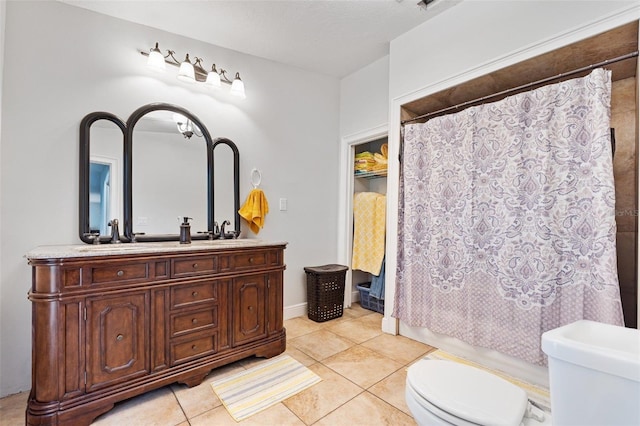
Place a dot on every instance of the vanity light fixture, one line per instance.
(194, 72)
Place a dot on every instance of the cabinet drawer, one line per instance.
(118, 273)
(182, 352)
(250, 260)
(194, 294)
(194, 321)
(194, 266)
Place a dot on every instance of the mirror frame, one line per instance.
(127, 192)
(85, 161)
(236, 179)
(128, 171)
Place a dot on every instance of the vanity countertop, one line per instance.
(88, 250)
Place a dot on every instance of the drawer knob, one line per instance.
(251, 260)
(194, 321)
(251, 308)
(119, 337)
(120, 273)
(195, 266)
(194, 294)
(193, 347)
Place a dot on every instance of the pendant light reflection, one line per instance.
(186, 127)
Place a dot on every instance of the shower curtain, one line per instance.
(507, 218)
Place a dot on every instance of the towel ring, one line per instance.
(256, 178)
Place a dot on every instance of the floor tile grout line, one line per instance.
(292, 412)
(340, 406)
(184, 413)
(386, 402)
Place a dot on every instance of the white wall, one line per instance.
(364, 110)
(478, 32)
(66, 62)
(471, 39)
(364, 98)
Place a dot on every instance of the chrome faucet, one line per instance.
(115, 233)
(213, 234)
(93, 236)
(222, 233)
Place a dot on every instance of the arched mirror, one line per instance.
(169, 153)
(159, 166)
(102, 149)
(168, 175)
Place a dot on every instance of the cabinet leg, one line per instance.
(194, 381)
(272, 349)
(77, 417)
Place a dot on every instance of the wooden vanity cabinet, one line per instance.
(110, 327)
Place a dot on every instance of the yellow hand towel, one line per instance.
(255, 209)
(369, 225)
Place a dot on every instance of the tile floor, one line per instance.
(362, 370)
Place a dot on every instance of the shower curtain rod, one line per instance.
(524, 86)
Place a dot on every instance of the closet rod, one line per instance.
(524, 86)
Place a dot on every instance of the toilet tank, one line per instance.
(594, 374)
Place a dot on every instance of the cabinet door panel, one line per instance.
(117, 345)
(275, 303)
(249, 314)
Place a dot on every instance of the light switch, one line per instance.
(283, 204)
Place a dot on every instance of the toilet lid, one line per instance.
(467, 392)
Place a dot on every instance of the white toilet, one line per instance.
(440, 392)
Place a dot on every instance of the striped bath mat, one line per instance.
(248, 392)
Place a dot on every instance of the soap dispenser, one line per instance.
(185, 231)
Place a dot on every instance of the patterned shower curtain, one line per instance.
(507, 221)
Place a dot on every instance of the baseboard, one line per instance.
(390, 325)
(300, 309)
(355, 296)
(294, 311)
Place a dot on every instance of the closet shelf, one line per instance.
(372, 174)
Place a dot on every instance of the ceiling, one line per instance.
(334, 37)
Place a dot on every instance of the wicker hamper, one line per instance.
(325, 291)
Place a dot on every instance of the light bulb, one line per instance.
(237, 87)
(186, 72)
(213, 78)
(156, 60)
